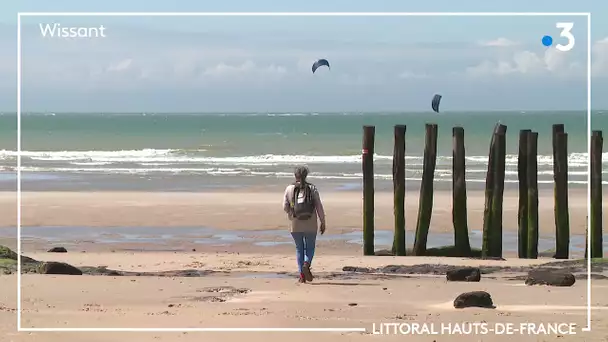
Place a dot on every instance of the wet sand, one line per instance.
(252, 220)
(255, 210)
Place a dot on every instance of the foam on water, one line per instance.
(197, 162)
(198, 156)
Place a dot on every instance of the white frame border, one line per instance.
(276, 14)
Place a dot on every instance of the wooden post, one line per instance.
(522, 176)
(486, 248)
(369, 133)
(399, 190)
(425, 205)
(557, 128)
(459, 194)
(586, 235)
(560, 176)
(532, 196)
(597, 146)
(499, 189)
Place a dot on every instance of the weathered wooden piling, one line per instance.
(532, 180)
(498, 193)
(425, 206)
(586, 235)
(522, 176)
(399, 190)
(459, 194)
(560, 181)
(488, 244)
(597, 146)
(369, 133)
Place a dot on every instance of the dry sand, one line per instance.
(255, 210)
(271, 298)
(240, 299)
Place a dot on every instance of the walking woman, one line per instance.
(302, 204)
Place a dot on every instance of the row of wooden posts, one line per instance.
(492, 223)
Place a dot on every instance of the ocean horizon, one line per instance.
(156, 151)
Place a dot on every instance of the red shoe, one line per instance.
(302, 278)
(306, 271)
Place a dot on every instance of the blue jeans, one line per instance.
(305, 247)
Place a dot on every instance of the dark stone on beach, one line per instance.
(58, 250)
(188, 273)
(517, 278)
(415, 269)
(578, 276)
(464, 274)
(103, 270)
(7, 253)
(479, 299)
(550, 277)
(384, 252)
(580, 265)
(357, 269)
(8, 262)
(436, 269)
(28, 260)
(572, 266)
(352, 304)
(53, 267)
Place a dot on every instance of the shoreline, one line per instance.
(250, 221)
(182, 182)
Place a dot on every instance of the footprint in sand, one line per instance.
(93, 308)
(4, 308)
(165, 313)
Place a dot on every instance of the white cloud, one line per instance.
(552, 61)
(413, 75)
(127, 73)
(499, 42)
(121, 66)
(528, 63)
(223, 69)
(246, 68)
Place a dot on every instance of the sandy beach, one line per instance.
(255, 209)
(248, 291)
(244, 285)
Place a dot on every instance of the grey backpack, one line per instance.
(303, 201)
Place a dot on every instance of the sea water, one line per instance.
(200, 151)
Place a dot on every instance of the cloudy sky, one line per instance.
(263, 63)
